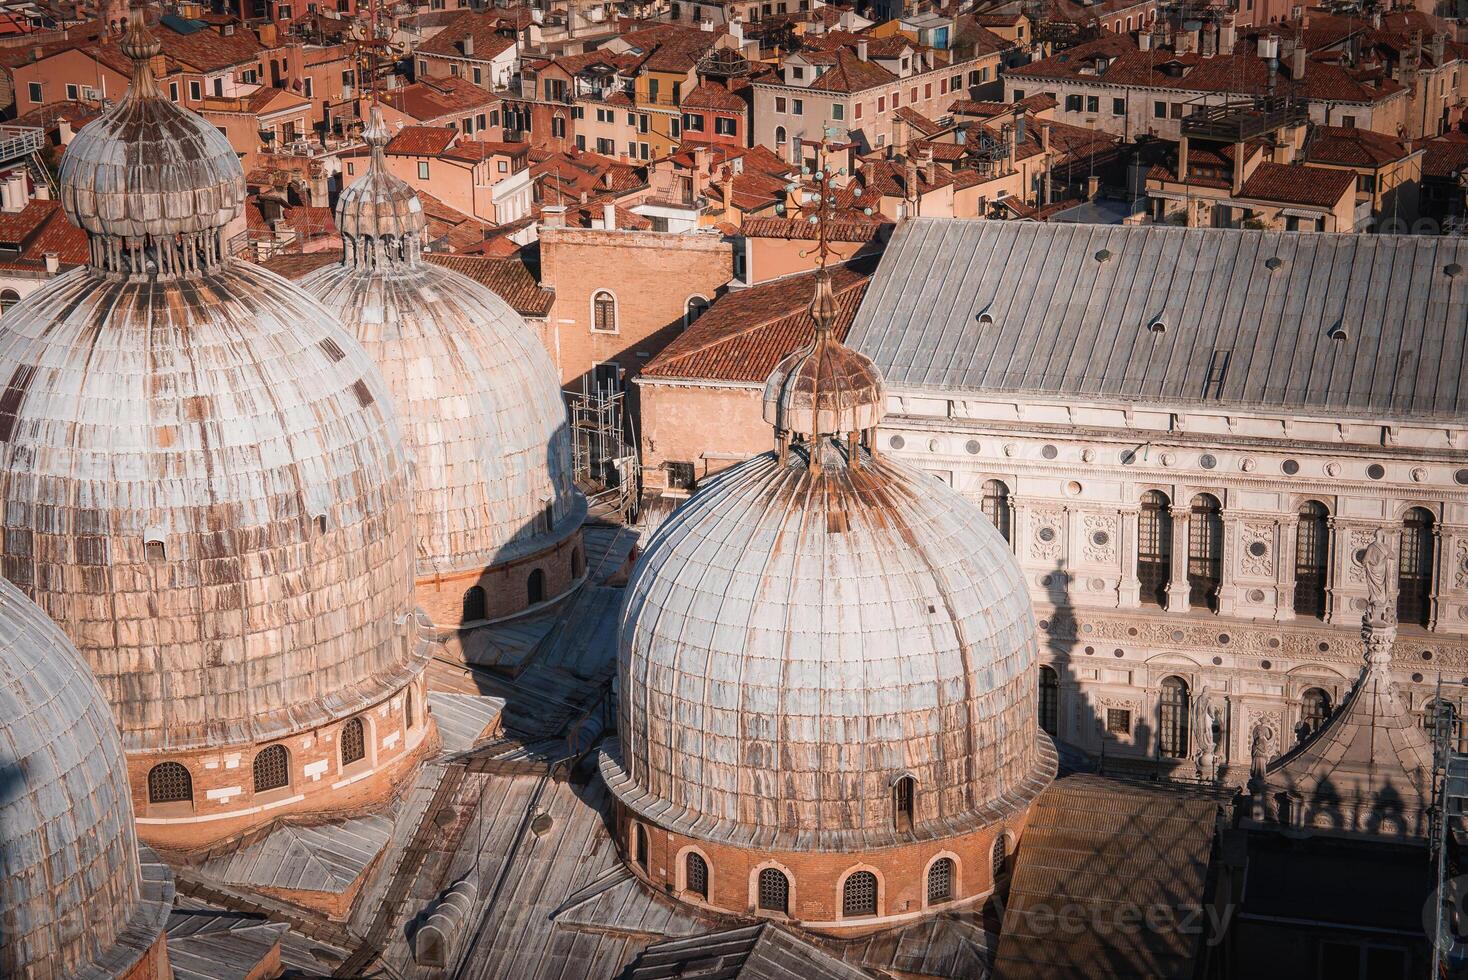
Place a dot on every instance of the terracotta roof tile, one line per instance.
(421, 141)
(746, 332)
(508, 278)
(1353, 147)
(1294, 184)
(430, 100)
(707, 95)
(483, 27)
(851, 74)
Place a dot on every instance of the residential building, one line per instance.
(488, 180)
(476, 46)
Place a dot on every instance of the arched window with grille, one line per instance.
(1049, 700)
(997, 858)
(272, 768)
(773, 890)
(940, 881)
(604, 312)
(1314, 710)
(474, 604)
(904, 802)
(1414, 568)
(1154, 548)
(169, 782)
(1172, 718)
(1205, 551)
(859, 894)
(1312, 552)
(535, 587)
(696, 875)
(8, 298)
(354, 742)
(995, 505)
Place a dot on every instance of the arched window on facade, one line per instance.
(904, 802)
(859, 894)
(8, 298)
(639, 845)
(1154, 548)
(779, 136)
(354, 742)
(1414, 568)
(272, 768)
(773, 890)
(408, 708)
(1312, 551)
(995, 505)
(1049, 700)
(578, 562)
(996, 858)
(1314, 710)
(604, 312)
(696, 875)
(1172, 718)
(169, 782)
(535, 587)
(693, 310)
(1205, 551)
(474, 604)
(940, 881)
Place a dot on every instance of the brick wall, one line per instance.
(711, 427)
(651, 275)
(506, 586)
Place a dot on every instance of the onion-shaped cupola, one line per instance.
(152, 184)
(825, 652)
(204, 482)
(480, 403)
(74, 899)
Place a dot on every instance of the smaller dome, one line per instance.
(379, 204)
(825, 388)
(148, 168)
(73, 896)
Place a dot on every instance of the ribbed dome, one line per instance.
(204, 484)
(480, 405)
(825, 387)
(72, 898)
(379, 203)
(797, 638)
(147, 167)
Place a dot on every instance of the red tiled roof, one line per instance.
(707, 95)
(1353, 147)
(1444, 157)
(850, 230)
(209, 49)
(299, 265)
(507, 278)
(472, 151)
(1294, 184)
(38, 228)
(851, 74)
(918, 121)
(483, 27)
(421, 141)
(431, 99)
(746, 332)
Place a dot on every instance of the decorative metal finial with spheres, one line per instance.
(825, 388)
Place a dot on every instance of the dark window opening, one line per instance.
(474, 605)
(1172, 719)
(697, 875)
(354, 742)
(169, 782)
(774, 890)
(1049, 700)
(1154, 548)
(1414, 568)
(535, 587)
(859, 894)
(940, 880)
(1205, 551)
(272, 768)
(904, 793)
(1312, 553)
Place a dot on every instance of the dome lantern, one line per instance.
(380, 218)
(152, 184)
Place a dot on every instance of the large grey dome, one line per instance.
(478, 396)
(795, 639)
(204, 484)
(73, 902)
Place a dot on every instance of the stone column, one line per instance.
(1177, 586)
(1287, 533)
(1442, 567)
(1130, 591)
(1230, 545)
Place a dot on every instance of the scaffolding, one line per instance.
(1449, 823)
(604, 449)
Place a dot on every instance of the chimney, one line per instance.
(468, 45)
(910, 177)
(53, 263)
(227, 30)
(930, 167)
(1297, 65)
(1144, 39)
(1093, 188)
(1226, 35)
(1019, 126)
(861, 49)
(1045, 138)
(1437, 49)
(609, 217)
(1209, 41)
(553, 216)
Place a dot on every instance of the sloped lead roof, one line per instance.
(1199, 316)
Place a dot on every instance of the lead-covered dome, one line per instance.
(813, 626)
(478, 396)
(203, 479)
(73, 899)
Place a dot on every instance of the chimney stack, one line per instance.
(468, 45)
(1226, 35)
(53, 263)
(609, 216)
(1144, 39)
(1093, 188)
(1209, 41)
(1297, 66)
(553, 216)
(861, 49)
(1019, 126)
